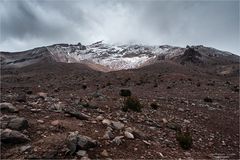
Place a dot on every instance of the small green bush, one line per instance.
(125, 92)
(184, 139)
(132, 103)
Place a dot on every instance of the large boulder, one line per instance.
(13, 137)
(18, 123)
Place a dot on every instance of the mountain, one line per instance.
(106, 57)
(60, 100)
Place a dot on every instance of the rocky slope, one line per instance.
(56, 110)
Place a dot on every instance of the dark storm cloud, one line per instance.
(31, 23)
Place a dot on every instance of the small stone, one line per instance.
(108, 135)
(19, 123)
(85, 142)
(21, 98)
(117, 125)
(82, 153)
(13, 137)
(104, 153)
(55, 123)
(188, 154)
(42, 95)
(138, 134)
(40, 121)
(117, 140)
(181, 109)
(146, 142)
(186, 121)
(128, 135)
(152, 128)
(99, 118)
(24, 148)
(35, 110)
(77, 114)
(93, 122)
(106, 122)
(129, 129)
(164, 120)
(85, 158)
(8, 107)
(223, 143)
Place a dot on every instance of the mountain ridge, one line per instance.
(106, 57)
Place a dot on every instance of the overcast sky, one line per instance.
(26, 24)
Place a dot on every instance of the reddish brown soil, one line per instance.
(179, 91)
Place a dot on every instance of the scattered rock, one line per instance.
(85, 142)
(138, 134)
(174, 126)
(24, 148)
(128, 135)
(99, 118)
(40, 121)
(21, 98)
(55, 123)
(8, 107)
(19, 123)
(117, 125)
(108, 135)
(104, 153)
(57, 107)
(106, 122)
(72, 140)
(13, 137)
(77, 114)
(164, 120)
(117, 140)
(81, 153)
(42, 95)
(76, 141)
(181, 109)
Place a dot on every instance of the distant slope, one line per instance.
(105, 57)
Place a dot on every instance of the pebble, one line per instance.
(8, 107)
(164, 120)
(104, 153)
(128, 135)
(55, 122)
(81, 153)
(24, 148)
(106, 122)
(186, 121)
(117, 140)
(40, 121)
(117, 125)
(99, 118)
(18, 123)
(181, 109)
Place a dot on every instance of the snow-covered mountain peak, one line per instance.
(113, 56)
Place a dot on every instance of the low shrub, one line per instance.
(184, 139)
(125, 92)
(132, 103)
(154, 105)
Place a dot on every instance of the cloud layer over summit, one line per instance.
(26, 24)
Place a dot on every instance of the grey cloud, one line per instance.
(26, 24)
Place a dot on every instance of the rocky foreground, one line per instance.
(70, 111)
